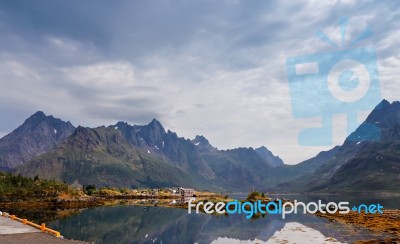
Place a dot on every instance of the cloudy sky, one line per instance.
(216, 68)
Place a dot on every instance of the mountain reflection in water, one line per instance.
(133, 224)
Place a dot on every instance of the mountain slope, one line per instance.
(238, 169)
(37, 135)
(142, 155)
(175, 150)
(267, 155)
(203, 145)
(129, 156)
(281, 175)
(103, 157)
(368, 160)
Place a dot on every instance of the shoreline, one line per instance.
(386, 223)
(110, 200)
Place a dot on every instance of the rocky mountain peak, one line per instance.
(203, 144)
(152, 133)
(38, 114)
(122, 124)
(35, 119)
(81, 130)
(124, 127)
(40, 117)
(382, 124)
(383, 111)
(270, 158)
(200, 140)
(155, 124)
(383, 103)
(38, 134)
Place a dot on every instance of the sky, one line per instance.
(212, 68)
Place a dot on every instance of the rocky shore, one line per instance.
(387, 223)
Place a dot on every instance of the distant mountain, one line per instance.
(175, 150)
(127, 155)
(233, 169)
(103, 157)
(237, 169)
(37, 135)
(203, 145)
(368, 160)
(286, 175)
(267, 155)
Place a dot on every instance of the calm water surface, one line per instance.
(133, 224)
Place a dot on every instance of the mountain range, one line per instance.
(124, 155)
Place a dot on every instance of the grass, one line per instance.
(17, 188)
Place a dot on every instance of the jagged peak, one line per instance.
(81, 129)
(263, 148)
(155, 122)
(39, 114)
(172, 133)
(266, 154)
(378, 125)
(395, 105)
(240, 149)
(202, 143)
(379, 110)
(201, 139)
(40, 117)
(384, 103)
(121, 124)
(36, 117)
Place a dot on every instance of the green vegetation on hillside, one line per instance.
(17, 187)
(102, 157)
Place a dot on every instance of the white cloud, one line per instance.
(103, 74)
(62, 44)
(203, 68)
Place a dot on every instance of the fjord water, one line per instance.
(134, 224)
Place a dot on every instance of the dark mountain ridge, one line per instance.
(368, 160)
(266, 154)
(103, 157)
(143, 156)
(149, 156)
(37, 135)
